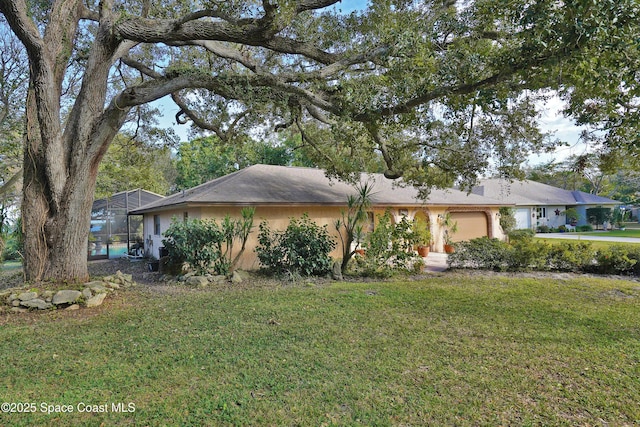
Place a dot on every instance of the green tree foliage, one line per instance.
(130, 164)
(598, 216)
(203, 159)
(602, 88)
(206, 245)
(302, 249)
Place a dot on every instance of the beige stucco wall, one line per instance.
(278, 218)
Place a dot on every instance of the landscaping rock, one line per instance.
(98, 288)
(47, 295)
(218, 279)
(111, 285)
(336, 271)
(38, 303)
(25, 296)
(96, 300)
(86, 293)
(236, 278)
(15, 302)
(199, 281)
(19, 310)
(73, 307)
(93, 283)
(66, 296)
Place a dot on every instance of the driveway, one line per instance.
(576, 236)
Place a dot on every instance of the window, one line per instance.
(185, 216)
(156, 225)
(541, 212)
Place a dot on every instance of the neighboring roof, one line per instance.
(532, 193)
(129, 200)
(283, 185)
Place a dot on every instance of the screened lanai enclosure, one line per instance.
(113, 232)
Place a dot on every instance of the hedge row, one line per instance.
(526, 254)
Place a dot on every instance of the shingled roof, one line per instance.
(532, 193)
(283, 185)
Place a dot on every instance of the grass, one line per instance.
(10, 265)
(451, 350)
(630, 232)
(596, 244)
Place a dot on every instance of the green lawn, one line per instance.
(629, 232)
(10, 265)
(596, 244)
(451, 350)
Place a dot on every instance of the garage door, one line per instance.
(470, 225)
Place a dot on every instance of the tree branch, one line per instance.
(23, 27)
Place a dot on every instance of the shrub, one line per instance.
(528, 255)
(206, 245)
(615, 260)
(482, 253)
(302, 249)
(544, 229)
(390, 248)
(570, 256)
(584, 228)
(522, 234)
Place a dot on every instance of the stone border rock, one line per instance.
(93, 294)
(196, 281)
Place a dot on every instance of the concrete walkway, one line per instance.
(435, 262)
(577, 236)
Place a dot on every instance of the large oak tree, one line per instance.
(441, 90)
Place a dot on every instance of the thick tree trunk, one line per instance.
(56, 241)
(56, 208)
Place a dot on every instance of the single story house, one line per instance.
(539, 204)
(279, 193)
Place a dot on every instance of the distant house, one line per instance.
(539, 204)
(279, 193)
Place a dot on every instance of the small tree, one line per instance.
(349, 227)
(572, 216)
(599, 215)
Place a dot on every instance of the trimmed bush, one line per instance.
(615, 260)
(302, 249)
(574, 257)
(482, 253)
(522, 234)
